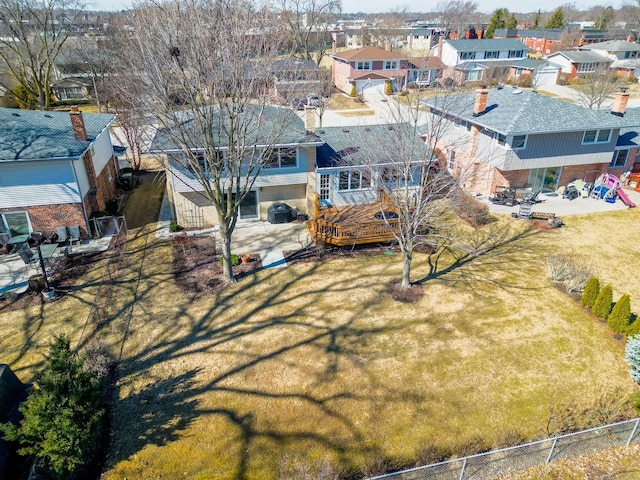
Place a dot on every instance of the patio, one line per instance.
(15, 272)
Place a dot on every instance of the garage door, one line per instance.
(546, 77)
(370, 88)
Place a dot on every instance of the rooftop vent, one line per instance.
(345, 130)
(15, 114)
(517, 91)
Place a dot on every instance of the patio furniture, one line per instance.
(74, 234)
(26, 255)
(5, 246)
(62, 236)
(19, 239)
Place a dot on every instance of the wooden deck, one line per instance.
(351, 225)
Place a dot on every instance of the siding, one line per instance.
(102, 151)
(37, 183)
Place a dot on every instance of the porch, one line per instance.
(353, 224)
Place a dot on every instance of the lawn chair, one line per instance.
(62, 236)
(27, 256)
(74, 235)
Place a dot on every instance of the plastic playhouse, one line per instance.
(608, 187)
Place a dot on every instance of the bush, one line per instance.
(353, 92)
(388, 88)
(573, 273)
(632, 356)
(471, 210)
(174, 227)
(602, 306)
(591, 290)
(620, 316)
(235, 260)
(634, 326)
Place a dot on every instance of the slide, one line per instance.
(624, 198)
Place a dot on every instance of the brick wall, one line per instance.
(46, 218)
(106, 184)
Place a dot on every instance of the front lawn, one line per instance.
(316, 365)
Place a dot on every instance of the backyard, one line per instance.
(315, 366)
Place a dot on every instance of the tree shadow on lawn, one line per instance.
(302, 331)
(489, 257)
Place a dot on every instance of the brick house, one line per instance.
(624, 55)
(369, 69)
(56, 169)
(577, 63)
(510, 137)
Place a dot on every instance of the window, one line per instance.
(15, 223)
(516, 53)
(517, 72)
(467, 55)
(587, 67)
(596, 136)
(451, 161)
(619, 158)
(353, 180)
(363, 65)
(518, 142)
(325, 188)
(281, 158)
(491, 55)
(390, 65)
(501, 139)
(474, 75)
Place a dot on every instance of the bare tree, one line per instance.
(33, 32)
(205, 68)
(308, 23)
(412, 178)
(456, 15)
(596, 88)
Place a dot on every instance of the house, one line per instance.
(424, 70)
(581, 62)
(531, 72)
(368, 70)
(284, 179)
(73, 88)
(56, 169)
(506, 136)
(624, 55)
(295, 79)
(480, 60)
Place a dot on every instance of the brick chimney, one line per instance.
(630, 39)
(334, 47)
(387, 46)
(480, 104)
(77, 124)
(440, 47)
(620, 103)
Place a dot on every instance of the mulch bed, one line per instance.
(67, 272)
(196, 266)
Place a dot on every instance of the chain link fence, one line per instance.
(488, 464)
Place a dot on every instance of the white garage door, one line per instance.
(370, 88)
(546, 77)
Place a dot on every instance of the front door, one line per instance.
(249, 206)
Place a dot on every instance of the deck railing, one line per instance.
(341, 235)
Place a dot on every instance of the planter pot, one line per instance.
(245, 258)
(48, 294)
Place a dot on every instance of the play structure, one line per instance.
(608, 187)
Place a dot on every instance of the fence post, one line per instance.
(553, 445)
(464, 465)
(633, 432)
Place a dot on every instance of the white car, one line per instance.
(314, 100)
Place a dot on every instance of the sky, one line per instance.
(371, 6)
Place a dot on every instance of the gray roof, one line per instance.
(582, 56)
(613, 46)
(512, 111)
(529, 63)
(272, 126)
(369, 144)
(548, 33)
(38, 135)
(487, 45)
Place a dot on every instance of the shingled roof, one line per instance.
(369, 53)
(482, 45)
(516, 112)
(37, 135)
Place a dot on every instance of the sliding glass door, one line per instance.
(545, 179)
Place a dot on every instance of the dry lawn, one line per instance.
(316, 365)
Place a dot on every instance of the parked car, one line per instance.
(314, 100)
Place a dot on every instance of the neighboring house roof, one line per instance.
(628, 63)
(276, 125)
(73, 82)
(37, 135)
(512, 111)
(582, 56)
(548, 33)
(368, 53)
(483, 45)
(375, 75)
(348, 146)
(613, 46)
(433, 63)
